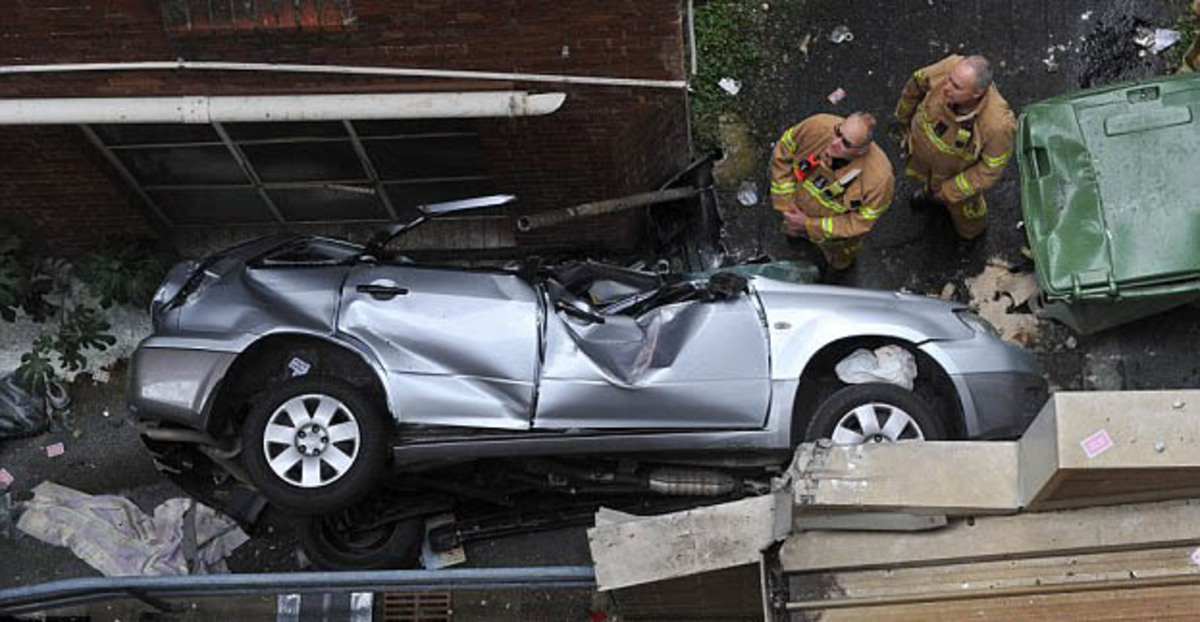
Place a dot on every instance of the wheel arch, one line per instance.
(818, 380)
(265, 363)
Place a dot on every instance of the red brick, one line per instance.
(605, 141)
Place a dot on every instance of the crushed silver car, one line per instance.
(309, 365)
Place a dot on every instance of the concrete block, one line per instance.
(1037, 534)
(1097, 448)
(931, 478)
(680, 544)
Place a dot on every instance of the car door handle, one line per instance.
(382, 292)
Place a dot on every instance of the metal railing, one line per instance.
(157, 591)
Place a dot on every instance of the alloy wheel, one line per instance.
(876, 423)
(311, 440)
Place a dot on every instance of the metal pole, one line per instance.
(57, 594)
(546, 219)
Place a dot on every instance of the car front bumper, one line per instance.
(176, 384)
(1005, 402)
(1000, 386)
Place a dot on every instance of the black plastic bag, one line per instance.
(21, 414)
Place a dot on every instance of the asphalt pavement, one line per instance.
(1038, 49)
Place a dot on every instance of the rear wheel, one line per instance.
(346, 541)
(314, 445)
(874, 413)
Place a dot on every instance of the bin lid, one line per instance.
(1110, 189)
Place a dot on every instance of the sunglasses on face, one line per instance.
(837, 134)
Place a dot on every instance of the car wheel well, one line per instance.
(818, 381)
(266, 363)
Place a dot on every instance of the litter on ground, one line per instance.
(997, 292)
(114, 536)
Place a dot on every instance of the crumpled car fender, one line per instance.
(802, 325)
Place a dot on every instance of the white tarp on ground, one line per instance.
(114, 536)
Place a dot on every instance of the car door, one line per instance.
(460, 347)
(688, 365)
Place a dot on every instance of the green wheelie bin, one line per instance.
(1110, 193)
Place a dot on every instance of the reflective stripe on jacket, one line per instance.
(833, 216)
(959, 155)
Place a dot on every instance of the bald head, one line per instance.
(852, 137)
(981, 68)
(868, 122)
(968, 81)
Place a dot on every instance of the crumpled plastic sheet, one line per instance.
(890, 364)
(114, 536)
(21, 414)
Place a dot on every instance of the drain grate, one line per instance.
(416, 607)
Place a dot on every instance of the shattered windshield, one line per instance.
(312, 252)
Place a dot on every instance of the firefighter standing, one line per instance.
(832, 183)
(959, 132)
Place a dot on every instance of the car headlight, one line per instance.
(976, 323)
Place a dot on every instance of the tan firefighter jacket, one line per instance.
(957, 155)
(836, 214)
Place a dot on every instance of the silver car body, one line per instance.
(487, 351)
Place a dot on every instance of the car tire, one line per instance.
(344, 440)
(860, 413)
(328, 544)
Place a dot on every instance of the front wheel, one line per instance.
(314, 445)
(874, 413)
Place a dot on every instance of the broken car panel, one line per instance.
(454, 363)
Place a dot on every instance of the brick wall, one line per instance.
(57, 195)
(603, 142)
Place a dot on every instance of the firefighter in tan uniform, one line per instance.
(832, 183)
(959, 133)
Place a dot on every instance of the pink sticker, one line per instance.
(837, 96)
(6, 478)
(55, 450)
(1096, 444)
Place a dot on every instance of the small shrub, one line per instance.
(36, 371)
(82, 328)
(126, 273)
(36, 286)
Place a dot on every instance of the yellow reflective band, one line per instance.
(822, 199)
(997, 161)
(786, 188)
(871, 213)
(975, 209)
(940, 145)
(960, 180)
(788, 141)
(904, 107)
(827, 224)
(919, 76)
